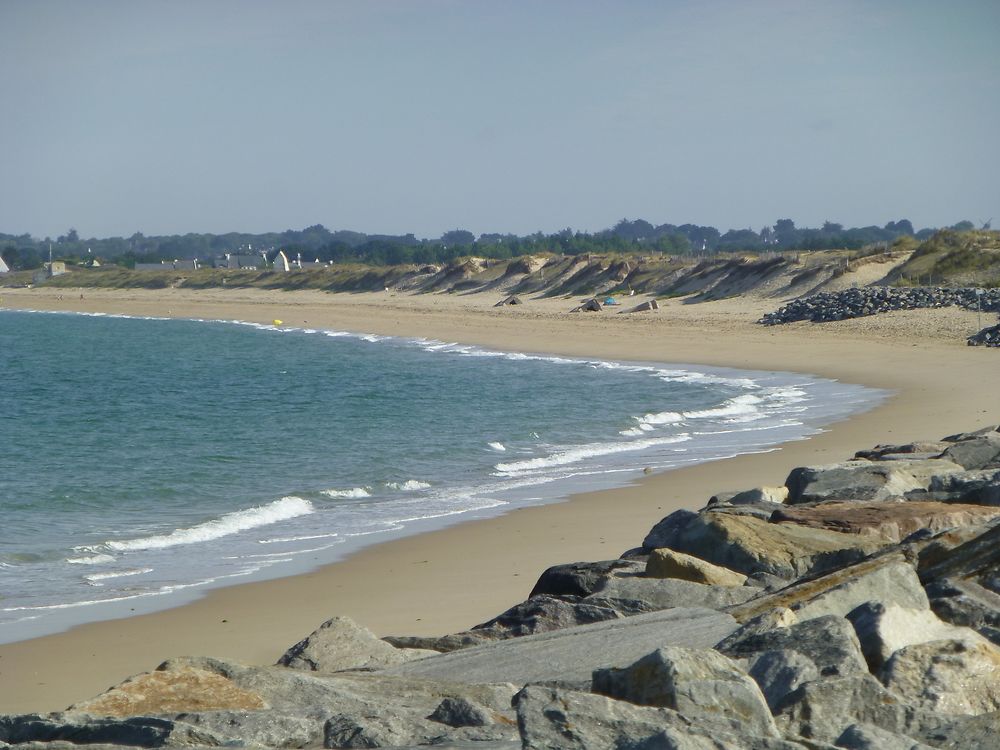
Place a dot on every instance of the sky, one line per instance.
(422, 116)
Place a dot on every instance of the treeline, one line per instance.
(23, 252)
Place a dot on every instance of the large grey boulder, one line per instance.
(778, 673)
(256, 728)
(396, 707)
(84, 729)
(824, 709)
(884, 629)
(978, 452)
(867, 737)
(888, 578)
(963, 581)
(864, 481)
(959, 676)
(828, 641)
(980, 487)
(747, 544)
(664, 593)
(700, 684)
(581, 578)
(970, 733)
(555, 719)
(340, 643)
(570, 656)
(667, 529)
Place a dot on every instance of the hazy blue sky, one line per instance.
(502, 116)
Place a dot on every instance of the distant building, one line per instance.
(245, 262)
(175, 265)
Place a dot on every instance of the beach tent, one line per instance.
(610, 301)
(590, 305)
(4, 268)
(511, 300)
(648, 306)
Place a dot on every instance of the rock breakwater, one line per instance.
(856, 606)
(862, 301)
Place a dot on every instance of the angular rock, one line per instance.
(964, 602)
(964, 581)
(340, 643)
(664, 593)
(84, 729)
(460, 712)
(979, 452)
(884, 629)
(555, 719)
(863, 481)
(776, 495)
(828, 641)
(951, 677)
(925, 449)
(970, 733)
(700, 684)
(750, 545)
(666, 563)
(570, 656)
(667, 529)
(581, 578)
(541, 614)
(257, 728)
(866, 737)
(778, 673)
(186, 689)
(889, 521)
(887, 578)
(824, 709)
(981, 487)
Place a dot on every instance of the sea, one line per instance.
(144, 461)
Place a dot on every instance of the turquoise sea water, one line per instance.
(145, 460)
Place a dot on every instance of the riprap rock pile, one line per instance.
(855, 606)
(862, 301)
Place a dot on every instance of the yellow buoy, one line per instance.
(277, 322)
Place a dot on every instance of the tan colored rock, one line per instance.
(749, 544)
(952, 677)
(888, 578)
(775, 495)
(183, 690)
(891, 521)
(666, 563)
(883, 630)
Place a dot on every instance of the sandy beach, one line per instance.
(450, 579)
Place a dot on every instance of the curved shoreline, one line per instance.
(449, 579)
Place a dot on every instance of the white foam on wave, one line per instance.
(352, 494)
(583, 452)
(231, 523)
(90, 559)
(737, 406)
(96, 579)
(497, 446)
(306, 538)
(410, 485)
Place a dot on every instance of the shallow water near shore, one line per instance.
(145, 460)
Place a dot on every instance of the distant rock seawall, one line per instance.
(857, 303)
(855, 606)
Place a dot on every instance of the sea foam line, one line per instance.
(231, 523)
